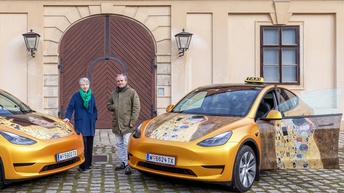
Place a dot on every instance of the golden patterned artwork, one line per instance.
(300, 142)
(180, 128)
(36, 126)
(185, 127)
(295, 145)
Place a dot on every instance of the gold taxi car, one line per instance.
(227, 133)
(33, 144)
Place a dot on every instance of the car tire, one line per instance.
(2, 175)
(245, 170)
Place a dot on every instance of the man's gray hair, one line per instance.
(125, 76)
(84, 79)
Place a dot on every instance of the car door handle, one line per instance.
(326, 125)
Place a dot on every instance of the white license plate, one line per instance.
(66, 155)
(161, 159)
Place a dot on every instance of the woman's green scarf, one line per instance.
(86, 97)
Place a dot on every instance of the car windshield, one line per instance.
(10, 105)
(234, 102)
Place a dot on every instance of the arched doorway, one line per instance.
(101, 46)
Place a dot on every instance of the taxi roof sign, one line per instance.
(257, 80)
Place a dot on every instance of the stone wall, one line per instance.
(57, 20)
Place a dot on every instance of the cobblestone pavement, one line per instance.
(104, 179)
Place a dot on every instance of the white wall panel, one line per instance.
(13, 55)
(199, 66)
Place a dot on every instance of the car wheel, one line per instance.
(2, 176)
(245, 170)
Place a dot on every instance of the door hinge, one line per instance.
(153, 65)
(60, 66)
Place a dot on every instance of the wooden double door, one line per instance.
(100, 47)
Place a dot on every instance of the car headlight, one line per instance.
(137, 132)
(216, 140)
(17, 139)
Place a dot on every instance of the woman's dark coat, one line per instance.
(84, 119)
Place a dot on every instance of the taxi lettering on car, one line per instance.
(227, 133)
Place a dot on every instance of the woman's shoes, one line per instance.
(84, 170)
(81, 170)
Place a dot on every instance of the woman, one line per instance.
(83, 105)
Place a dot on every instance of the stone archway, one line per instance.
(100, 47)
(58, 19)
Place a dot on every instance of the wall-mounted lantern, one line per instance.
(31, 41)
(183, 41)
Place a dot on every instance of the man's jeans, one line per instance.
(122, 147)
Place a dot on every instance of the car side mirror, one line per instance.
(274, 115)
(169, 108)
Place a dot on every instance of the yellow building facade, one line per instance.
(226, 45)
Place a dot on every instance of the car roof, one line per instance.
(239, 86)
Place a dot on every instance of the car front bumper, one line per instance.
(30, 161)
(213, 164)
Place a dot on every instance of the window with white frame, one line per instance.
(280, 53)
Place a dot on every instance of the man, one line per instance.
(124, 102)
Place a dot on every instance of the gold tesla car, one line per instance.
(227, 133)
(33, 144)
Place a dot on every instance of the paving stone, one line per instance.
(104, 179)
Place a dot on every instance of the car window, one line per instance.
(11, 105)
(266, 104)
(292, 105)
(194, 101)
(323, 101)
(219, 102)
(316, 102)
(287, 100)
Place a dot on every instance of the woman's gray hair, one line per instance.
(84, 79)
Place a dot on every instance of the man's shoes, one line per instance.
(127, 170)
(120, 166)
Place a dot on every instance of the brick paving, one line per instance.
(104, 179)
